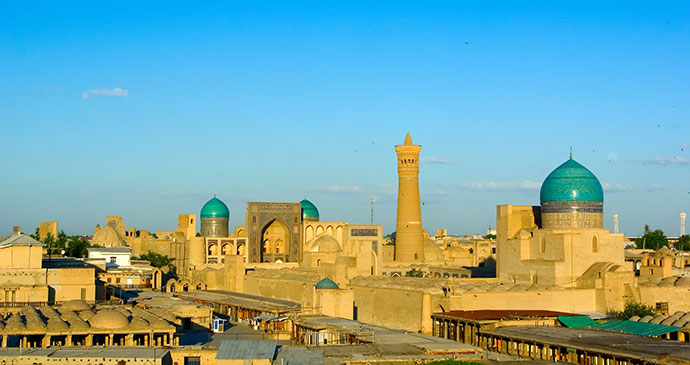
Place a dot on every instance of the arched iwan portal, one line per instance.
(274, 238)
(271, 223)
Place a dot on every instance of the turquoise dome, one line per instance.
(571, 182)
(326, 283)
(215, 208)
(309, 211)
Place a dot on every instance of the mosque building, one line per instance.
(560, 240)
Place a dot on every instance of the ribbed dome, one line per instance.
(326, 283)
(309, 211)
(109, 319)
(571, 182)
(215, 208)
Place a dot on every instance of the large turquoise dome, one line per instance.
(309, 211)
(215, 208)
(571, 182)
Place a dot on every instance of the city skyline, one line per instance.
(148, 114)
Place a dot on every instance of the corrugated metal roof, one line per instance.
(576, 322)
(246, 349)
(635, 328)
(299, 356)
(19, 240)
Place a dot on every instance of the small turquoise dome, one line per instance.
(571, 182)
(326, 283)
(309, 211)
(215, 208)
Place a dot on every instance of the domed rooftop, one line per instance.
(309, 211)
(107, 236)
(326, 283)
(325, 244)
(74, 305)
(215, 208)
(571, 182)
(109, 319)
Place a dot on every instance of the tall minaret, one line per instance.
(409, 242)
(615, 223)
(682, 223)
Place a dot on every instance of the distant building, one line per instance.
(114, 256)
(25, 279)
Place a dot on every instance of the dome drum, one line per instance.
(214, 227)
(572, 207)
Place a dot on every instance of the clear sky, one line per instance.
(146, 109)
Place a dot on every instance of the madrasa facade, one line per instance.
(276, 234)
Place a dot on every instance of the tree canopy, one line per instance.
(77, 247)
(634, 309)
(414, 273)
(654, 240)
(157, 260)
(683, 243)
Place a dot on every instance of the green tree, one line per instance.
(414, 273)
(49, 242)
(654, 240)
(390, 239)
(157, 260)
(490, 237)
(61, 240)
(634, 309)
(683, 243)
(35, 235)
(77, 247)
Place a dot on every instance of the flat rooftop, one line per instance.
(386, 336)
(489, 315)
(242, 300)
(634, 346)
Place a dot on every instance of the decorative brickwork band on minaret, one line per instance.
(409, 242)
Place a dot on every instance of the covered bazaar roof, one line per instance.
(77, 316)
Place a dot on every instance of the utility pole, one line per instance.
(372, 210)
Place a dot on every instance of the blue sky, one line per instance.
(146, 110)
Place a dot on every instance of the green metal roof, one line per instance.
(635, 328)
(309, 210)
(215, 208)
(326, 283)
(571, 182)
(576, 321)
